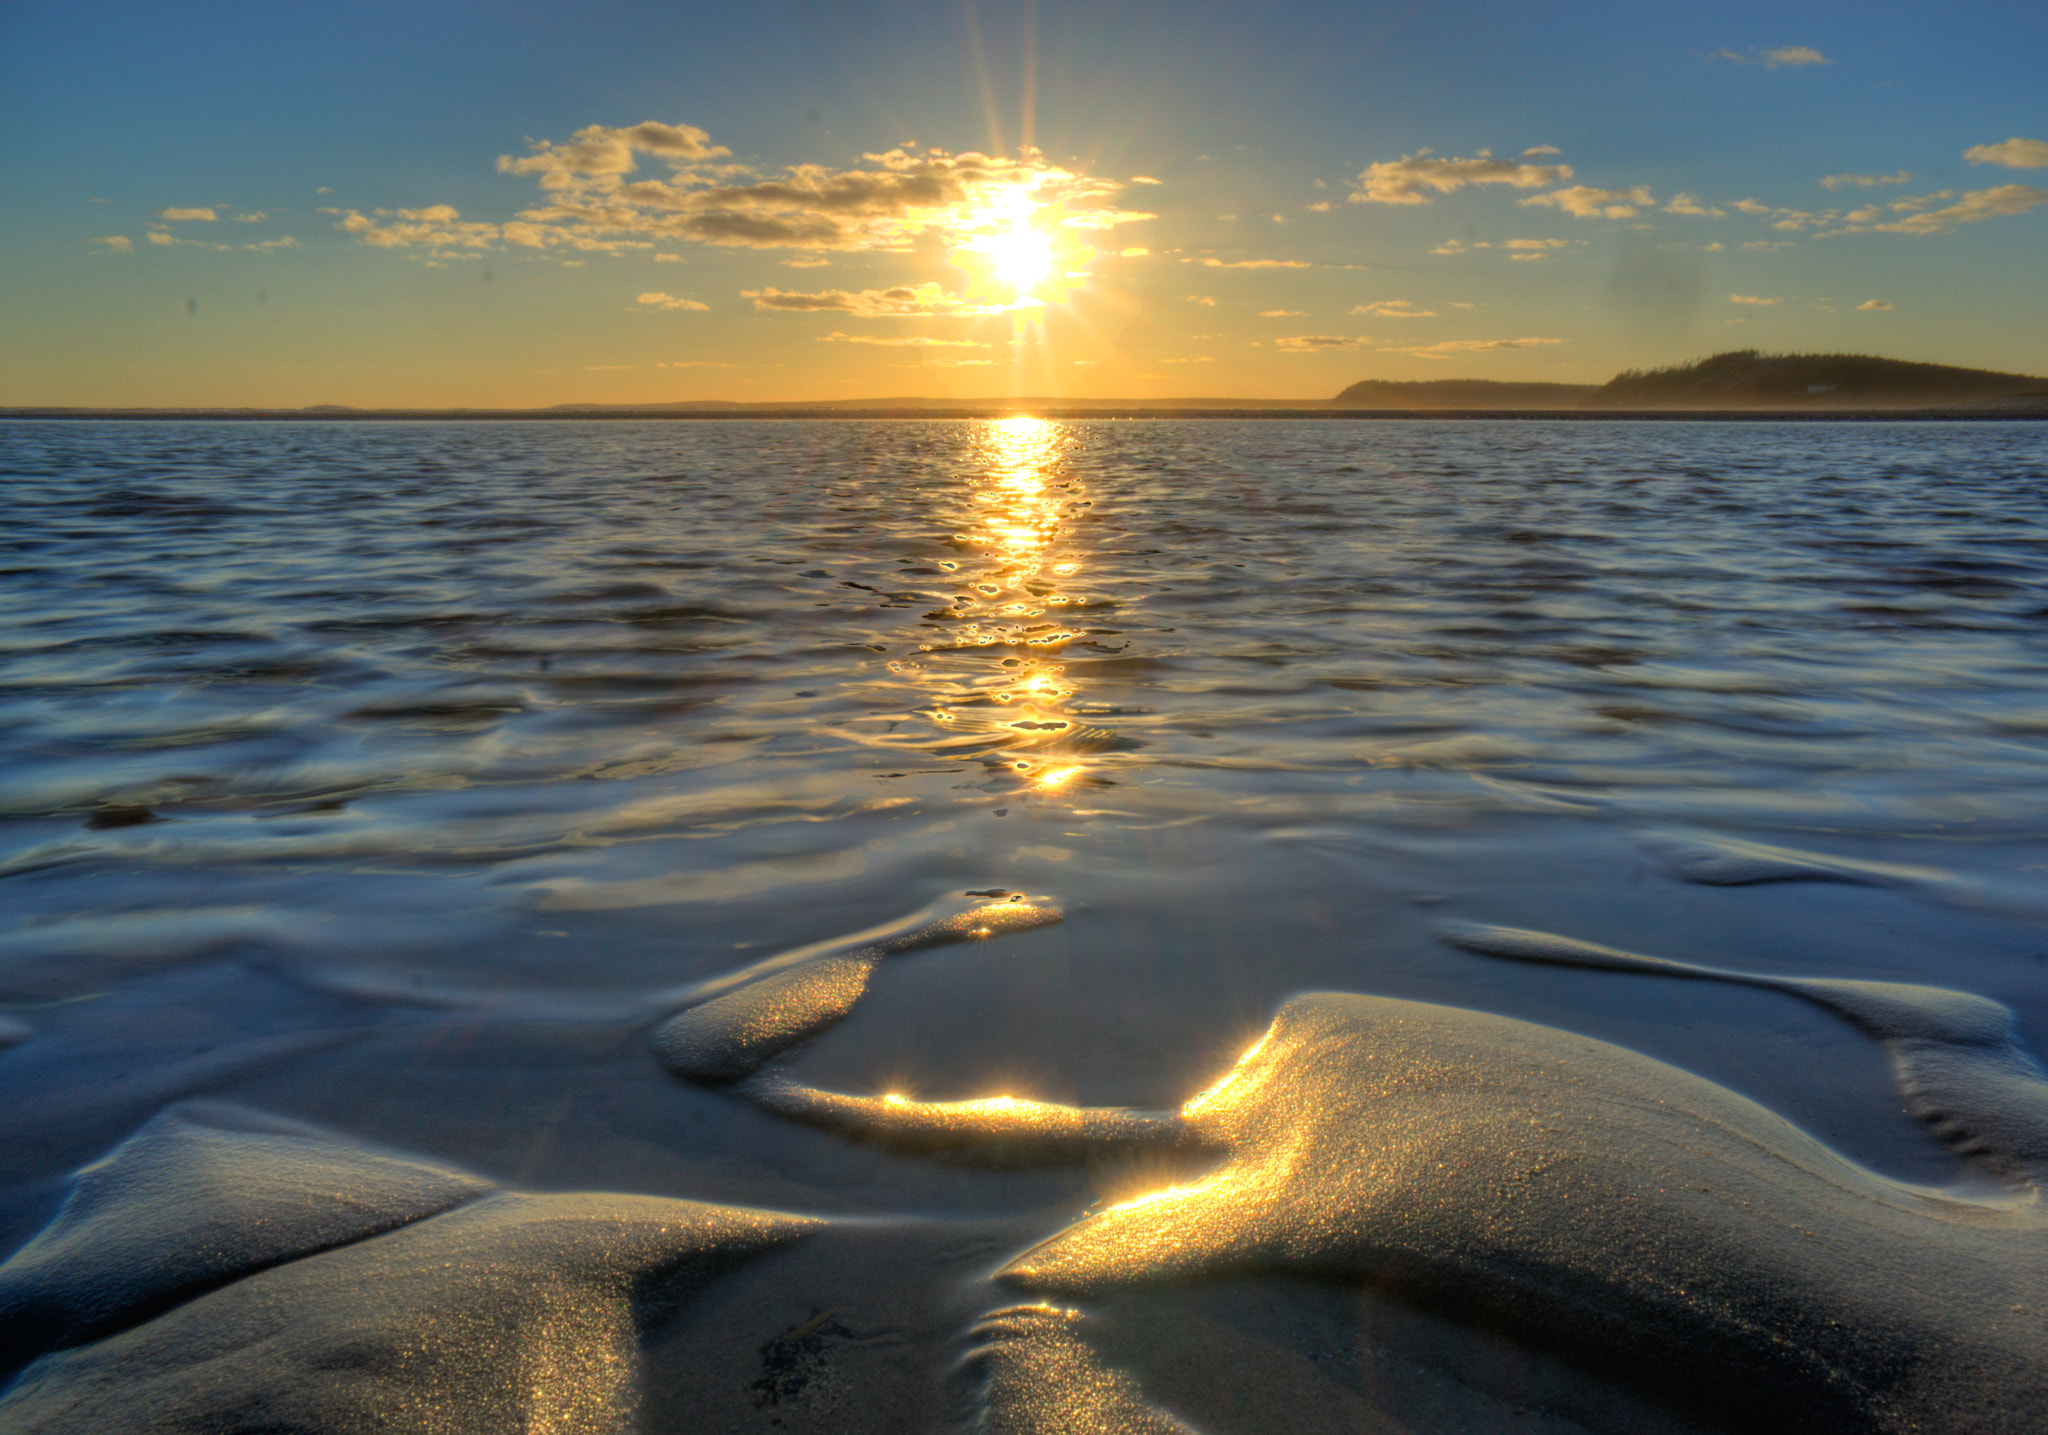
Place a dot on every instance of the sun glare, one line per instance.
(1019, 252)
(1022, 258)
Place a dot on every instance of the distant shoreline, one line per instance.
(1971, 413)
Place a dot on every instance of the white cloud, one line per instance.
(162, 240)
(1459, 246)
(256, 216)
(1766, 245)
(1976, 205)
(914, 341)
(116, 243)
(1250, 263)
(1871, 306)
(1542, 149)
(1750, 299)
(1864, 181)
(1914, 202)
(187, 216)
(1403, 181)
(438, 226)
(886, 205)
(668, 258)
(2015, 153)
(1473, 346)
(1281, 313)
(1584, 202)
(1319, 343)
(655, 299)
(900, 302)
(1394, 309)
(1144, 179)
(1792, 56)
(598, 151)
(266, 246)
(1690, 204)
(593, 203)
(1539, 243)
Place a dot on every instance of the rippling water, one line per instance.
(397, 777)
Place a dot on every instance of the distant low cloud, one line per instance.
(1320, 343)
(1539, 244)
(1584, 202)
(1458, 246)
(115, 243)
(1394, 309)
(161, 239)
(268, 246)
(1868, 181)
(2015, 153)
(256, 216)
(655, 299)
(436, 227)
(1750, 299)
(1874, 306)
(1404, 180)
(1145, 179)
(1280, 313)
(1975, 206)
(1690, 204)
(1203, 299)
(913, 341)
(187, 216)
(597, 150)
(900, 302)
(1917, 213)
(1475, 346)
(1542, 149)
(1789, 56)
(1214, 263)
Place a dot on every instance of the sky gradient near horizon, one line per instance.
(437, 204)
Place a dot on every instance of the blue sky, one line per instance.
(1321, 193)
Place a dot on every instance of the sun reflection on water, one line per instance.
(1017, 572)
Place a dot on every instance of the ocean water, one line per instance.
(399, 779)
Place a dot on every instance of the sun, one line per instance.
(1022, 258)
(1019, 252)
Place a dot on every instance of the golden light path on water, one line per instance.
(1020, 497)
